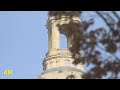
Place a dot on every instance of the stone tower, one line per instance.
(58, 63)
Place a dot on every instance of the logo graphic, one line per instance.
(7, 72)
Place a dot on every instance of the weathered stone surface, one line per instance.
(58, 63)
(61, 73)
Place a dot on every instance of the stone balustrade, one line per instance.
(62, 52)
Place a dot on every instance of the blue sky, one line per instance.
(24, 43)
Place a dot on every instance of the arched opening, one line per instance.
(67, 63)
(63, 41)
(71, 77)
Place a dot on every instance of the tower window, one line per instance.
(71, 77)
(67, 63)
(63, 41)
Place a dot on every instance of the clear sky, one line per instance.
(24, 43)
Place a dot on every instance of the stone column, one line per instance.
(69, 41)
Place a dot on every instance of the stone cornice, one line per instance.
(62, 69)
(67, 13)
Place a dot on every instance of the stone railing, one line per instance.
(62, 52)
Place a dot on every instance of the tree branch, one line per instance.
(104, 19)
(116, 15)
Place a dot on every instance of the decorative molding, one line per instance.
(62, 69)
